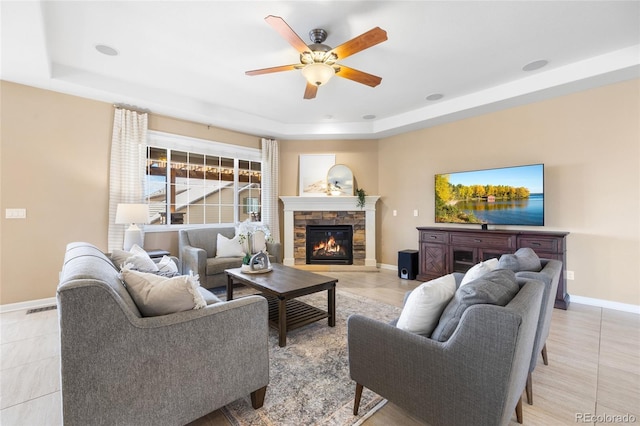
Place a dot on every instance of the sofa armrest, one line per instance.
(549, 275)
(194, 260)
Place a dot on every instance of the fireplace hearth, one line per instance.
(329, 244)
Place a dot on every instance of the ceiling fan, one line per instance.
(318, 61)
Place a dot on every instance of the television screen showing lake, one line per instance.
(524, 211)
(502, 196)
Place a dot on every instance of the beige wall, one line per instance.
(55, 163)
(589, 143)
(360, 155)
(55, 157)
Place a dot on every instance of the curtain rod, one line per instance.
(132, 108)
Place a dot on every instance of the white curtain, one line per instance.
(270, 185)
(126, 175)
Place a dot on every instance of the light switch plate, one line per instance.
(15, 213)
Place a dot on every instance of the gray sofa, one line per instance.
(476, 377)
(197, 250)
(118, 367)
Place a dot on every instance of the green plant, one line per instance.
(361, 197)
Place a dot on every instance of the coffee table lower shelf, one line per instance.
(299, 313)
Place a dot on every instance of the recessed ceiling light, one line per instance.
(435, 97)
(106, 50)
(535, 65)
(369, 117)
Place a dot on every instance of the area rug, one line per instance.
(309, 378)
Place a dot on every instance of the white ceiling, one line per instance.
(187, 59)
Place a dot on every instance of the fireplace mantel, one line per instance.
(330, 204)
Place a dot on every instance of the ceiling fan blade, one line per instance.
(363, 41)
(285, 31)
(358, 76)
(310, 91)
(272, 69)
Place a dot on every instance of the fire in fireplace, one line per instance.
(329, 244)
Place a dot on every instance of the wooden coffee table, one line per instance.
(281, 286)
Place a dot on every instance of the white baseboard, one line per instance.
(386, 266)
(616, 306)
(29, 304)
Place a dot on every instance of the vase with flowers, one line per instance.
(246, 232)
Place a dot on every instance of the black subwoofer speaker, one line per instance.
(408, 264)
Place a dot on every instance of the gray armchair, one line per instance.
(549, 276)
(118, 367)
(197, 249)
(476, 377)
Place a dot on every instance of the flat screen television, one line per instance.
(501, 196)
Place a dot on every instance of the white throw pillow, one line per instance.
(479, 270)
(425, 304)
(167, 264)
(226, 247)
(155, 295)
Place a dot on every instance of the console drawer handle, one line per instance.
(433, 237)
(536, 244)
(478, 240)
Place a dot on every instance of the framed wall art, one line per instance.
(313, 173)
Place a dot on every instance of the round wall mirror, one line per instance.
(339, 180)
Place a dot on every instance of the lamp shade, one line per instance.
(132, 213)
(318, 73)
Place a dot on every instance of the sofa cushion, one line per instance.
(525, 259)
(155, 295)
(494, 288)
(217, 265)
(425, 304)
(479, 270)
(226, 247)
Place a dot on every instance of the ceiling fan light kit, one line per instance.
(318, 61)
(318, 73)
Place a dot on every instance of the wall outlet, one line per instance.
(395, 212)
(415, 213)
(570, 275)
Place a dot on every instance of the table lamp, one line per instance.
(132, 214)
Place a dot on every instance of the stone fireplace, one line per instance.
(352, 228)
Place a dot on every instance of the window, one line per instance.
(195, 182)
